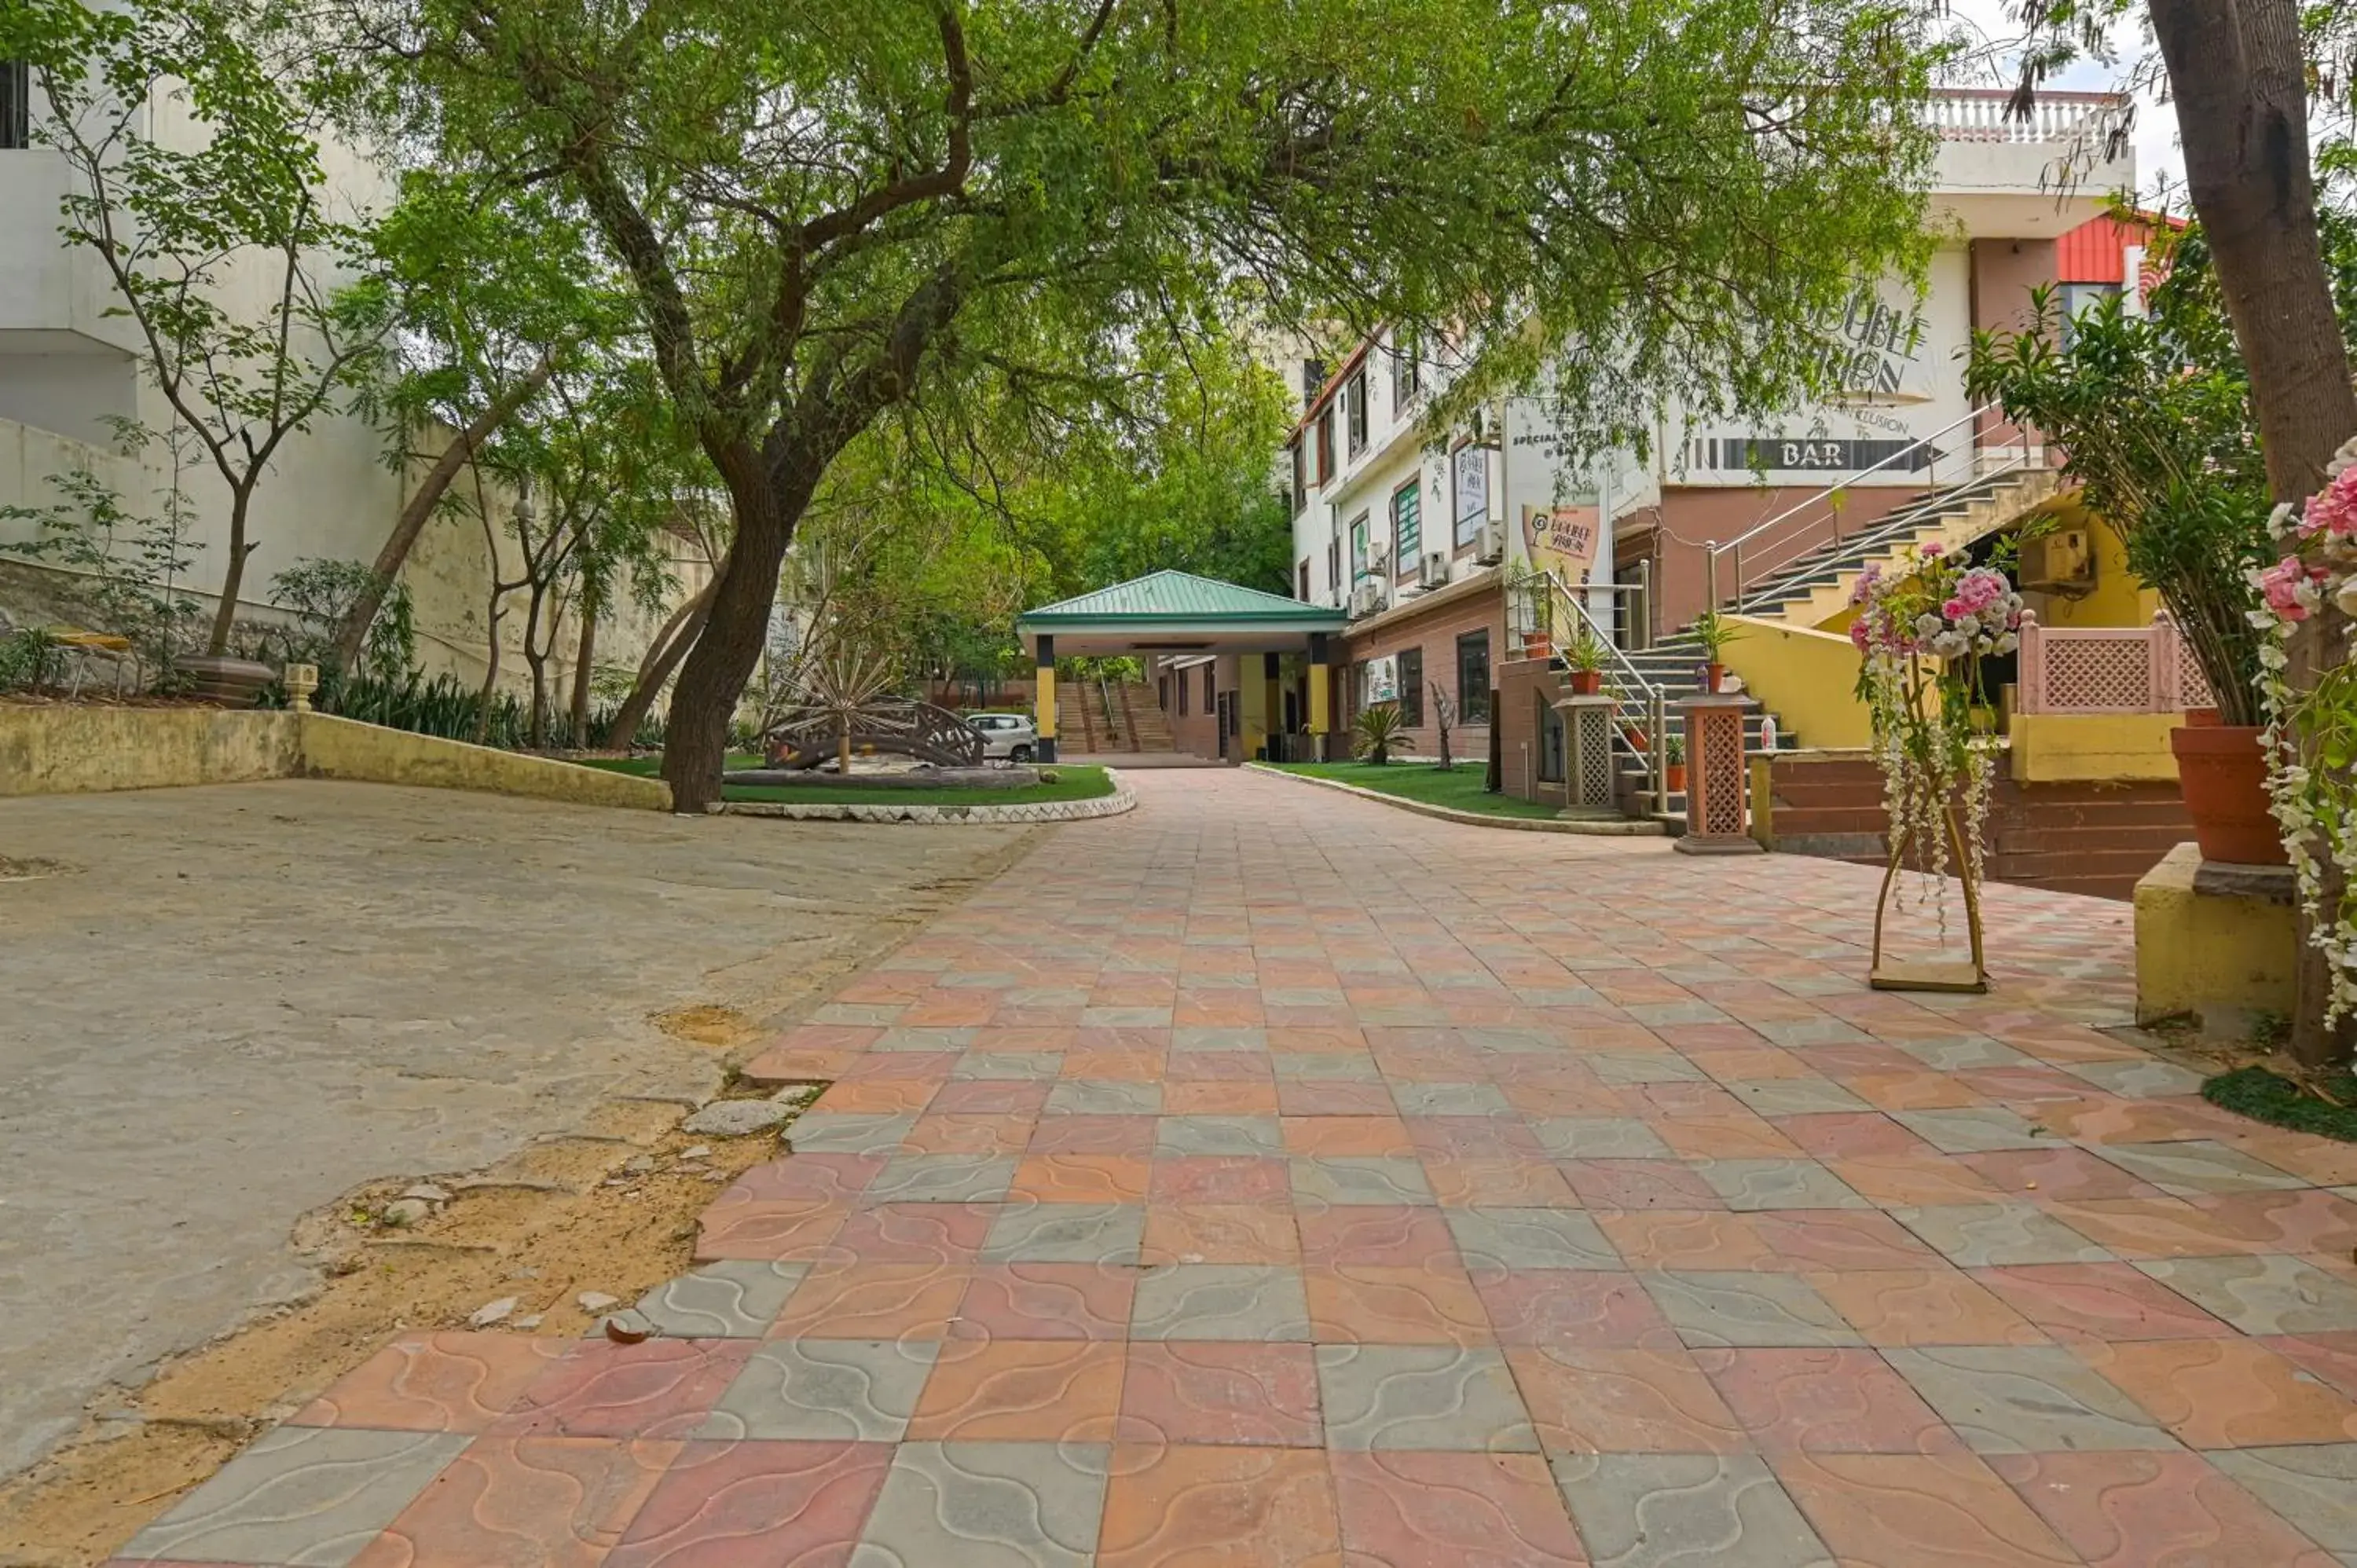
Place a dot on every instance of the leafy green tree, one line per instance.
(253, 310)
(494, 290)
(833, 213)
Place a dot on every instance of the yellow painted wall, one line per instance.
(60, 750)
(2118, 599)
(2054, 749)
(2220, 958)
(69, 750)
(1806, 678)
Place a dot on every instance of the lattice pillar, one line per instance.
(1589, 773)
(1718, 821)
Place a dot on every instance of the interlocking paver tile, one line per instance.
(436, 1382)
(1905, 1508)
(2123, 1510)
(2196, 1165)
(308, 1495)
(777, 1502)
(2270, 1294)
(2019, 1399)
(1427, 1510)
(558, 1501)
(1719, 1309)
(1587, 1399)
(1211, 1391)
(1220, 1301)
(1214, 1190)
(1239, 1506)
(2227, 1393)
(2307, 1484)
(1667, 1510)
(1503, 1241)
(1982, 1235)
(824, 1390)
(1066, 1233)
(987, 1505)
(1421, 1396)
(1830, 1401)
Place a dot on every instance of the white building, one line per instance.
(1414, 528)
(71, 367)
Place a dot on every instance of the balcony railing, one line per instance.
(2109, 669)
(1977, 114)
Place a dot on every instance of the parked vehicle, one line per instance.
(1006, 737)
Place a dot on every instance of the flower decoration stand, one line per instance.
(1717, 813)
(1929, 974)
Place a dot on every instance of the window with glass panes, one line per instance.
(1473, 678)
(1411, 686)
(1407, 525)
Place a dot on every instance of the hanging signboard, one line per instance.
(1383, 680)
(1562, 539)
(1472, 491)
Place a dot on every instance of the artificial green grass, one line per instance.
(2268, 1097)
(1071, 784)
(1460, 789)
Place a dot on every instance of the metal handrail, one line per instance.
(1627, 675)
(1713, 549)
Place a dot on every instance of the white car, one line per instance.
(1009, 737)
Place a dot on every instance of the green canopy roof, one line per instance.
(1160, 600)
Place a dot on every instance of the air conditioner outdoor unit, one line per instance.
(1366, 598)
(1490, 548)
(2057, 560)
(1379, 557)
(1433, 573)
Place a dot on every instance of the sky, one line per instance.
(2157, 158)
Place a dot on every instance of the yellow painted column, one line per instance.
(1046, 714)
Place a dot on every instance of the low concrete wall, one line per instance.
(69, 750)
(2219, 949)
(2070, 749)
(66, 750)
(342, 748)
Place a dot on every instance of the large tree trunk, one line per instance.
(695, 742)
(351, 633)
(669, 646)
(582, 663)
(233, 575)
(2240, 80)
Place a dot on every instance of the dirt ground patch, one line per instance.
(254, 1008)
(611, 1210)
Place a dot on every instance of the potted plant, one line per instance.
(1713, 632)
(1585, 658)
(1538, 616)
(1673, 763)
(2154, 412)
(1378, 732)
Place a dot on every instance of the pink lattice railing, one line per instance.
(2109, 669)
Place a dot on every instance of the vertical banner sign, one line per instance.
(1562, 539)
(1472, 492)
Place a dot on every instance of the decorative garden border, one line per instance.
(1108, 805)
(1600, 827)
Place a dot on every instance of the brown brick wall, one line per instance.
(1672, 535)
(2091, 838)
(1436, 632)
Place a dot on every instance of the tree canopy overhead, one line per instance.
(830, 211)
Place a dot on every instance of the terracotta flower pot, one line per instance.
(1714, 677)
(2224, 779)
(1677, 777)
(1537, 645)
(1587, 682)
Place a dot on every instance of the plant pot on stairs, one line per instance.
(2224, 776)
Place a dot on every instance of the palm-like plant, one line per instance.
(1377, 731)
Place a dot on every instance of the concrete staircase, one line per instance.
(1136, 725)
(1814, 587)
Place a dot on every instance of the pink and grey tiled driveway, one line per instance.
(1269, 1177)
